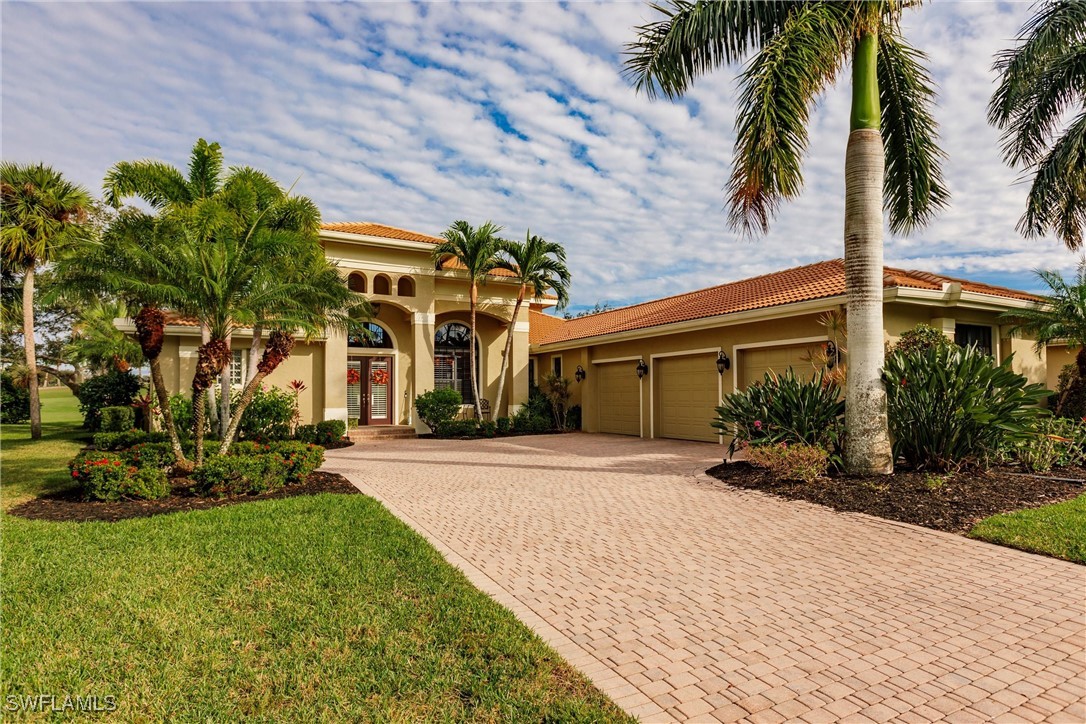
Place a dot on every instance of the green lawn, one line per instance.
(1057, 530)
(308, 608)
(30, 468)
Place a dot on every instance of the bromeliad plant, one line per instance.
(952, 406)
(784, 408)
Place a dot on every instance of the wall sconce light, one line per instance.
(642, 369)
(579, 374)
(831, 355)
(722, 363)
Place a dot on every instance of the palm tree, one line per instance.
(41, 213)
(1059, 315)
(1043, 78)
(476, 250)
(797, 50)
(537, 265)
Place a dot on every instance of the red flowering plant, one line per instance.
(101, 475)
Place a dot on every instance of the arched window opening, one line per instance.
(370, 336)
(452, 360)
(356, 282)
(405, 287)
(382, 284)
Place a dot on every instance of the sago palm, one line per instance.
(538, 266)
(476, 250)
(796, 51)
(1043, 81)
(41, 213)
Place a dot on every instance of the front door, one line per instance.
(377, 385)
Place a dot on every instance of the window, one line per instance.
(452, 361)
(371, 336)
(237, 368)
(357, 282)
(531, 373)
(405, 287)
(556, 364)
(382, 284)
(978, 335)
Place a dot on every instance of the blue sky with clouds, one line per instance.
(418, 114)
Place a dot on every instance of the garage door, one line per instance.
(619, 401)
(686, 397)
(754, 363)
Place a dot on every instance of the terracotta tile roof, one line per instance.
(800, 284)
(388, 232)
(455, 264)
(541, 325)
(176, 320)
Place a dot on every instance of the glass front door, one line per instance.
(369, 390)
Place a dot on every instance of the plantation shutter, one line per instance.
(379, 391)
(354, 392)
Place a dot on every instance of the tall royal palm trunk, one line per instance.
(867, 446)
(473, 362)
(279, 346)
(31, 352)
(508, 350)
(150, 332)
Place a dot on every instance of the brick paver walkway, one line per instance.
(682, 600)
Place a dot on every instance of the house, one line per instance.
(418, 338)
(693, 348)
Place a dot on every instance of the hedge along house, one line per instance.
(418, 339)
(658, 369)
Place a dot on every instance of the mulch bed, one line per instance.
(953, 505)
(68, 505)
(338, 444)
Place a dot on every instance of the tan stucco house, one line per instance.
(419, 339)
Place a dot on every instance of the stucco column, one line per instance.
(518, 367)
(946, 325)
(422, 361)
(335, 376)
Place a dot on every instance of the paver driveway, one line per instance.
(683, 600)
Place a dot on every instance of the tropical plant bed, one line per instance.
(946, 502)
(69, 505)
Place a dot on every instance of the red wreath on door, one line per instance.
(379, 377)
(353, 377)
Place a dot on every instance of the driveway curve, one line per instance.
(684, 600)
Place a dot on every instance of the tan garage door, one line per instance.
(619, 401)
(754, 363)
(687, 389)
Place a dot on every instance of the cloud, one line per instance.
(418, 114)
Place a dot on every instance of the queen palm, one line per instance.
(538, 266)
(41, 213)
(476, 252)
(1043, 78)
(796, 51)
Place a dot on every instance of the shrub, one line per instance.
(557, 392)
(117, 419)
(573, 418)
(126, 439)
(950, 406)
(1056, 442)
(458, 428)
(919, 338)
(158, 455)
(538, 405)
(784, 408)
(503, 425)
(105, 476)
(1070, 397)
(240, 474)
(306, 434)
(113, 389)
(14, 401)
(438, 406)
(269, 416)
(329, 432)
(526, 420)
(488, 428)
(791, 462)
(300, 458)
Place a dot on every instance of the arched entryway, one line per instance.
(370, 374)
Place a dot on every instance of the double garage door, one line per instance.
(685, 390)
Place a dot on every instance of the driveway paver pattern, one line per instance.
(686, 600)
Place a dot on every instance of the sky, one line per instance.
(418, 114)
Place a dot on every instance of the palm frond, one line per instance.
(693, 38)
(1057, 197)
(914, 188)
(205, 169)
(157, 183)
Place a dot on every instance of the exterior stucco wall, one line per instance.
(1056, 358)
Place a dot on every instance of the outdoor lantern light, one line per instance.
(642, 369)
(831, 355)
(722, 363)
(579, 374)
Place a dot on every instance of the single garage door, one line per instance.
(619, 401)
(687, 395)
(754, 363)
